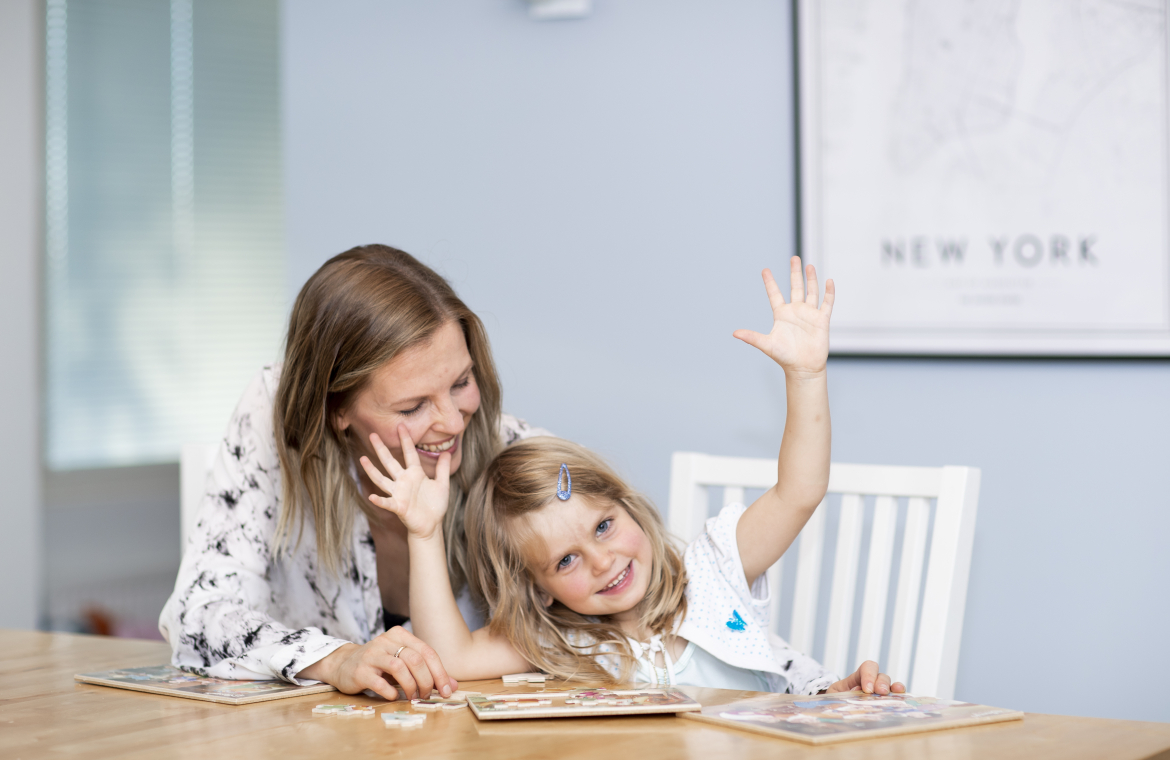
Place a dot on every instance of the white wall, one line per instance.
(21, 51)
(604, 193)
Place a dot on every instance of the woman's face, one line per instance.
(430, 389)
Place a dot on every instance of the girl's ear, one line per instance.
(545, 597)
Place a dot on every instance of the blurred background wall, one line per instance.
(604, 194)
(607, 191)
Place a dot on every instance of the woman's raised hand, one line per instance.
(420, 502)
(799, 340)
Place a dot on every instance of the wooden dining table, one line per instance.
(44, 713)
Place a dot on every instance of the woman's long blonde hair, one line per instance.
(361, 309)
(561, 642)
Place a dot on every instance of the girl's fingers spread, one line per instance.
(409, 454)
(810, 274)
(830, 296)
(380, 480)
(775, 297)
(750, 337)
(867, 674)
(797, 294)
(384, 455)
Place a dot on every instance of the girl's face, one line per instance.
(430, 389)
(592, 557)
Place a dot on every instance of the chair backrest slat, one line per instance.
(732, 495)
(842, 597)
(924, 642)
(909, 586)
(877, 581)
(945, 595)
(808, 582)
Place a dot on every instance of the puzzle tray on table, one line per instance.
(648, 702)
(172, 682)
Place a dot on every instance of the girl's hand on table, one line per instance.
(868, 679)
(799, 340)
(419, 501)
(374, 666)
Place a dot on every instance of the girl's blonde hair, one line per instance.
(358, 311)
(561, 642)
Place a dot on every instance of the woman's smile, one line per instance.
(434, 450)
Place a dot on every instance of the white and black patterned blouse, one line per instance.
(236, 612)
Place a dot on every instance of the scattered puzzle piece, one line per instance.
(517, 678)
(333, 709)
(402, 719)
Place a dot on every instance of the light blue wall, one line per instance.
(604, 193)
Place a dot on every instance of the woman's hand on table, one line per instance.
(868, 679)
(420, 502)
(374, 666)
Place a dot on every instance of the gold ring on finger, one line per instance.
(400, 650)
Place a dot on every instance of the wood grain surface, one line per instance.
(45, 714)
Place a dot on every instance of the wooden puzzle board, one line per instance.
(172, 682)
(848, 716)
(580, 703)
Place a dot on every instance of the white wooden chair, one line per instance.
(955, 491)
(195, 462)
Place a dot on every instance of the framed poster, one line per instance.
(988, 178)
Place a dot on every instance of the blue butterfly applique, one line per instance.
(736, 623)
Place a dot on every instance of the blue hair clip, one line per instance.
(567, 491)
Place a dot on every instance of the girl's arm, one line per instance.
(420, 503)
(799, 343)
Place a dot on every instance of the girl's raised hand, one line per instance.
(799, 340)
(419, 501)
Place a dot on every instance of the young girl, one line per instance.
(577, 571)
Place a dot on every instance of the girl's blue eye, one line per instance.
(565, 562)
(604, 526)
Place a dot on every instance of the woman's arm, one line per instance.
(420, 503)
(217, 620)
(799, 343)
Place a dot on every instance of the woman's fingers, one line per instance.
(377, 682)
(434, 665)
(397, 668)
(810, 273)
(419, 672)
(797, 294)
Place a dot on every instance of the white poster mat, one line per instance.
(988, 178)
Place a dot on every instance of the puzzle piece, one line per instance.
(437, 704)
(334, 709)
(518, 678)
(402, 719)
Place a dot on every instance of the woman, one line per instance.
(290, 571)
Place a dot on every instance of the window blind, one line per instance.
(164, 231)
